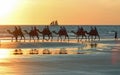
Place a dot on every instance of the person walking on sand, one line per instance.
(116, 35)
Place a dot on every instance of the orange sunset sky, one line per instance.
(65, 11)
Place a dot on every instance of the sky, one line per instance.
(67, 12)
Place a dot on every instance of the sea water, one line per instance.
(104, 31)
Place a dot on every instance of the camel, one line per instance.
(46, 32)
(79, 33)
(93, 33)
(32, 34)
(60, 33)
(14, 35)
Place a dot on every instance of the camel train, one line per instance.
(80, 34)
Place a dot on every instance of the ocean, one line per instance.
(60, 57)
(105, 32)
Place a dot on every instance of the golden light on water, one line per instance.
(4, 53)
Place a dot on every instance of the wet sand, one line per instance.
(102, 59)
(92, 64)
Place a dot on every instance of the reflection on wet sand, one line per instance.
(54, 47)
(115, 54)
(46, 51)
(63, 51)
(77, 50)
(33, 51)
(85, 48)
(93, 45)
(18, 52)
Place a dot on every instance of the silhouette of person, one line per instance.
(32, 28)
(78, 28)
(16, 31)
(61, 29)
(16, 28)
(47, 27)
(95, 30)
(116, 35)
(35, 29)
(81, 28)
(64, 28)
(19, 29)
(92, 30)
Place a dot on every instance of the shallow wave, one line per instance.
(40, 45)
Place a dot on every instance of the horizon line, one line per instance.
(60, 24)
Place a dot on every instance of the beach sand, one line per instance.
(92, 64)
(101, 60)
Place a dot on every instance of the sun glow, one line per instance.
(7, 6)
(4, 53)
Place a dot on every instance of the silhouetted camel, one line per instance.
(61, 33)
(79, 33)
(32, 34)
(14, 35)
(93, 33)
(46, 32)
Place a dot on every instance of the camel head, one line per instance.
(54, 32)
(26, 31)
(73, 31)
(86, 32)
(9, 31)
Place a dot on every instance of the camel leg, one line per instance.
(68, 38)
(43, 38)
(16, 39)
(12, 39)
(38, 38)
(78, 38)
(21, 39)
(58, 38)
(99, 37)
(30, 38)
(88, 37)
(61, 38)
(24, 38)
(81, 38)
(95, 38)
(85, 37)
(51, 37)
(33, 38)
(91, 38)
(64, 38)
(48, 37)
